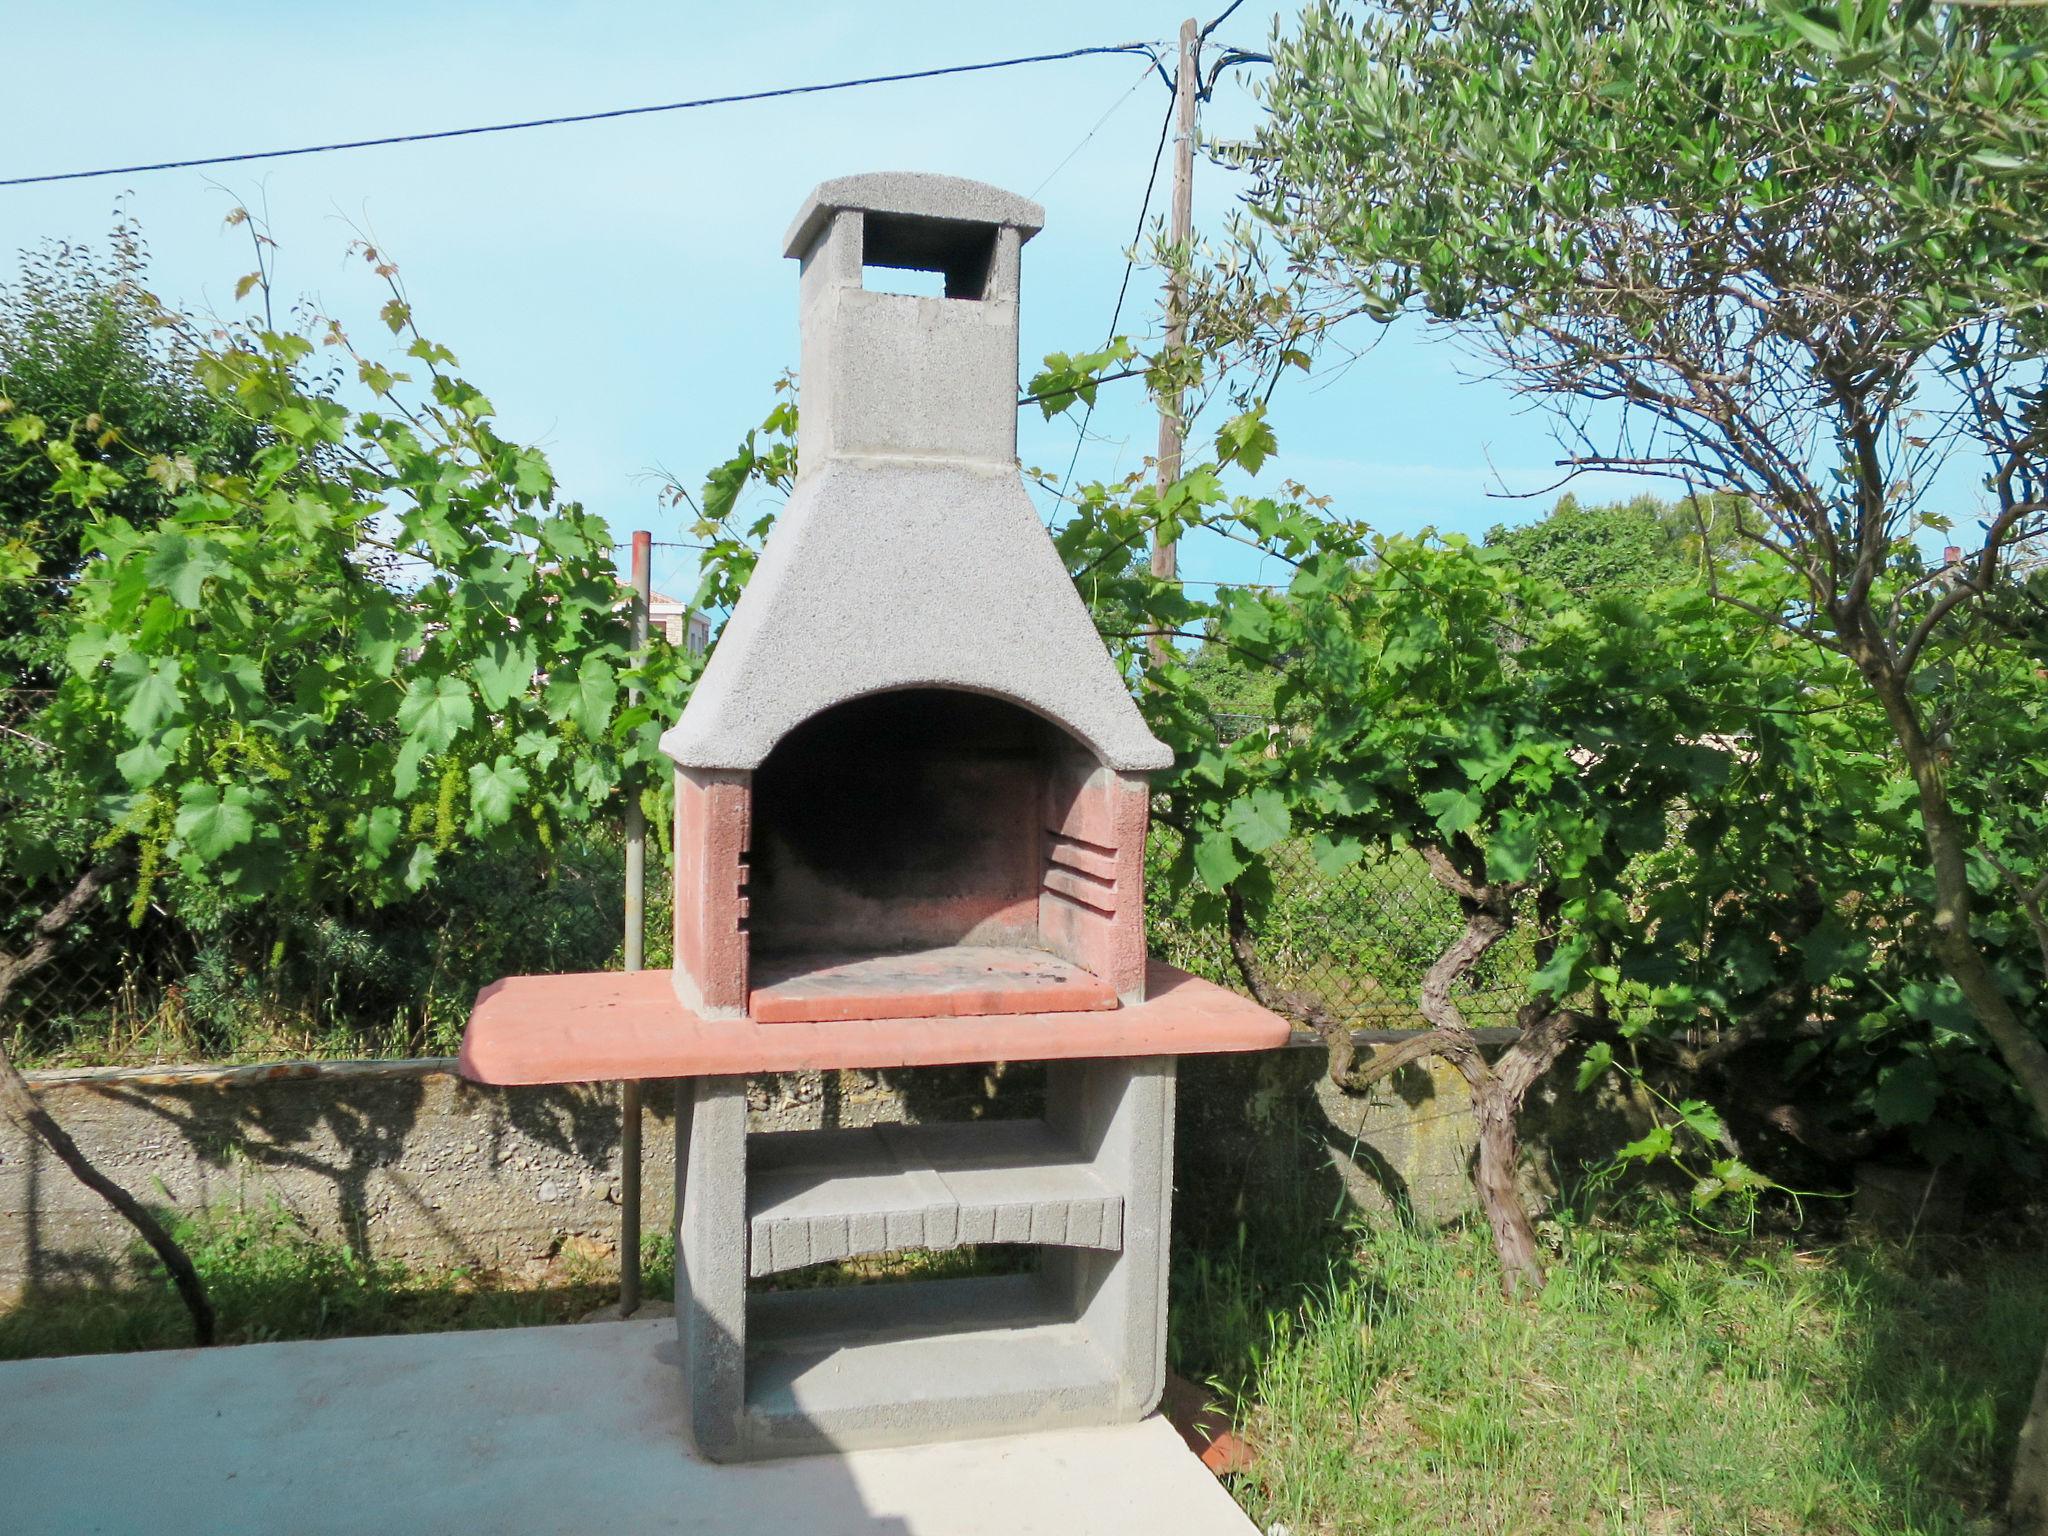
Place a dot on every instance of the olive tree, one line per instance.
(1792, 255)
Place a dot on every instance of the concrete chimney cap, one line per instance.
(913, 194)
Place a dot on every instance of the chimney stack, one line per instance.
(893, 375)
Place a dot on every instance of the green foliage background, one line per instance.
(342, 835)
(328, 664)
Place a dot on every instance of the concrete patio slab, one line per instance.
(521, 1432)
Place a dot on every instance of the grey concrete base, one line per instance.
(1082, 1341)
(868, 1366)
(525, 1432)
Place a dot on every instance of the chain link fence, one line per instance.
(263, 983)
(130, 983)
(1359, 941)
(264, 987)
(109, 982)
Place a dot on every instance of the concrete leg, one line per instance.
(711, 1258)
(1120, 1113)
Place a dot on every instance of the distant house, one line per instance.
(680, 623)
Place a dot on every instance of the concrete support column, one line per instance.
(711, 1258)
(1120, 1115)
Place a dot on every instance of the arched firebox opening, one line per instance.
(903, 821)
(931, 849)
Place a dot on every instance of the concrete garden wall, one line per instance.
(404, 1160)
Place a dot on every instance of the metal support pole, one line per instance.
(635, 946)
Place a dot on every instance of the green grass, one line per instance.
(269, 1280)
(1667, 1382)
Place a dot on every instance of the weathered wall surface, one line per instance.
(399, 1159)
(1270, 1140)
(406, 1160)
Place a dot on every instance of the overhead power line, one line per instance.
(1228, 11)
(584, 117)
(1123, 288)
(1088, 137)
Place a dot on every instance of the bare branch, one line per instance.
(19, 1100)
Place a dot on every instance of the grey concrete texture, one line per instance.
(914, 194)
(711, 1260)
(877, 578)
(855, 1368)
(1121, 1114)
(908, 376)
(909, 553)
(524, 1432)
(1083, 1341)
(395, 1159)
(816, 1197)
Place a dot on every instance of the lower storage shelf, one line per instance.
(898, 1363)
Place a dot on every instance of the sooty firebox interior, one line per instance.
(902, 821)
(923, 849)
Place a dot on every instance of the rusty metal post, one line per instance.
(635, 947)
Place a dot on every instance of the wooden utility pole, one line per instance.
(1172, 429)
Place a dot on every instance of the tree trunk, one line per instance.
(2028, 1497)
(1956, 947)
(2027, 1501)
(1498, 1093)
(19, 1100)
(1514, 1235)
(1497, 1089)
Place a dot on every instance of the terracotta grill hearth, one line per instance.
(911, 806)
(927, 851)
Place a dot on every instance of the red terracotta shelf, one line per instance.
(609, 1025)
(956, 980)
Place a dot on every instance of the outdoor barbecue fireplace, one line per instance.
(910, 782)
(911, 803)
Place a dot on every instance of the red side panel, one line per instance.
(1092, 905)
(711, 890)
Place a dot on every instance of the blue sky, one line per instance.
(617, 288)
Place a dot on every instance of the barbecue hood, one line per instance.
(909, 554)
